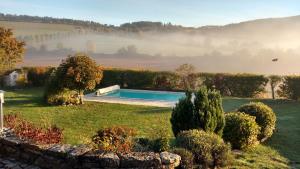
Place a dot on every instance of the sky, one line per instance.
(194, 13)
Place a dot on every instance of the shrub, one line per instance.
(290, 88)
(63, 97)
(38, 76)
(116, 139)
(241, 130)
(187, 158)
(265, 118)
(205, 112)
(25, 129)
(158, 142)
(183, 117)
(209, 149)
(209, 111)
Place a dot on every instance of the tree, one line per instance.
(11, 50)
(209, 111)
(204, 112)
(274, 81)
(80, 73)
(183, 115)
(187, 77)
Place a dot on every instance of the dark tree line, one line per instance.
(142, 26)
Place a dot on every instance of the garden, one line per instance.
(80, 123)
(224, 121)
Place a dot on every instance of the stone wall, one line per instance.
(65, 156)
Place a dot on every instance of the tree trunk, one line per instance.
(273, 91)
(81, 97)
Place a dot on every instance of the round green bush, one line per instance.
(265, 118)
(187, 158)
(241, 130)
(209, 149)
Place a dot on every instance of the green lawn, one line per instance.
(81, 122)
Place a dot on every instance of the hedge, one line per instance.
(237, 85)
(290, 88)
(137, 79)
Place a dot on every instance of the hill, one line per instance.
(163, 46)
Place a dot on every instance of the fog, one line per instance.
(237, 48)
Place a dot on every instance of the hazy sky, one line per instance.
(183, 12)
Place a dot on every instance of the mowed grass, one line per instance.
(81, 122)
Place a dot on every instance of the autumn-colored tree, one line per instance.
(187, 78)
(11, 50)
(80, 73)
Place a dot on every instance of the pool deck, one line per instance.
(106, 99)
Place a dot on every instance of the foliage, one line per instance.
(164, 81)
(160, 141)
(290, 88)
(274, 81)
(187, 78)
(116, 139)
(25, 129)
(21, 81)
(11, 50)
(204, 112)
(38, 76)
(209, 149)
(76, 73)
(80, 73)
(265, 118)
(237, 85)
(209, 111)
(187, 158)
(93, 115)
(183, 116)
(241, 130)
(63, 97)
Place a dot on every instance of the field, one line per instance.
(29, 28)
(81, 122)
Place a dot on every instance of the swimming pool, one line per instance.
(146, 95)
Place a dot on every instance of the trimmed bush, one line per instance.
(209, 149)
(187, 158)
(290, 88)
(209, 111)
(116, 139)
(63, 97)
(204, 112)
(183, 116)
(265, 118)
(241, 130)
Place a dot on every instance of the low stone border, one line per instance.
(63, 156)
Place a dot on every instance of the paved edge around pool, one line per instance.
(93, 98)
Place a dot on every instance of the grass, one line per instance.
(81, 122)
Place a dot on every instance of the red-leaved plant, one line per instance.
(26, 130)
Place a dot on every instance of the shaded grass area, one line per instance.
(81, 122)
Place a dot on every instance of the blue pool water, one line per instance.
(146, 95)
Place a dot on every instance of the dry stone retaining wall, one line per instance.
(65, 156)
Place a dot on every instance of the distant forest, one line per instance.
(142, 26)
